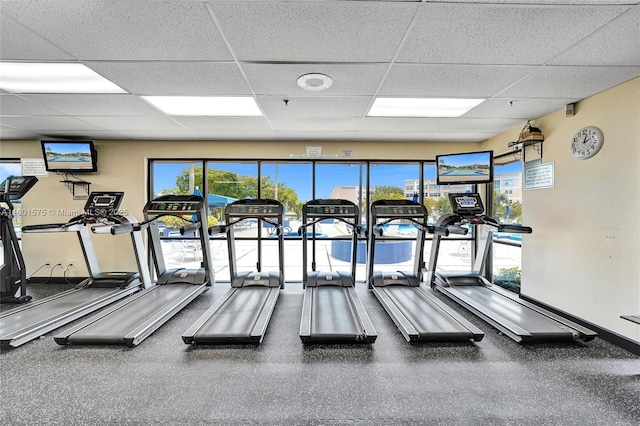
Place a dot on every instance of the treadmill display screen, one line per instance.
(174, 207)
(103, 204)
(401, 211)
(103, 201)
(257, 210)
(330, 210)
(466, 203)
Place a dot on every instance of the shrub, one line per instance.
(509, 279)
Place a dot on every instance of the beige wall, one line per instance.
(584, 254)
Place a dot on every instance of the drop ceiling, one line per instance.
(527, 58)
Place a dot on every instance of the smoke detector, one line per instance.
(314, 82)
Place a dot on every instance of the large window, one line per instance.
(342, 181)
(293, 183)
(455, 250)
(507, 208)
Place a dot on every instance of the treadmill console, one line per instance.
(103, 204)
(19, 185)
(387, 209)
(466, 204)
(258, 207)
(175, 204)
(330, 208)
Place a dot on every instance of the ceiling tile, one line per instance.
(387, 124)
(339, 106)
(542, 54)
(390, 136)
(281, 79)
(20, 43)
(499, 34)
(240, 124)
(447, 80)
(315, 136)
(315, 124)
(136, 30)
(575, 82)
(43, 124)
(84, 134)
(170, 78)
(617, 43)
(15, 105)
(458, 136)
(187, 135)
(8, 133)
(131, 122)
(85, 104)
(319, 32)
(522, 108)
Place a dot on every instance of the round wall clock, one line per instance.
(587, 142)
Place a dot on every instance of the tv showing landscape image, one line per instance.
(468, 167)
(69, 156)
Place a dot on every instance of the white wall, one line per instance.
(584, 254)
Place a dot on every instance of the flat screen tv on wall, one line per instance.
(466, 167)
(69, 156)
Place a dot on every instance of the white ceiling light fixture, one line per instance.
(315, 82)
(32, 77)
(224, 106)
(421, 107)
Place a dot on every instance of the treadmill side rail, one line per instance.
(507, 327)
(478, 334)
(583, 333)
(33, 331)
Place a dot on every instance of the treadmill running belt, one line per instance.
(114, 327)
(56, 307)
(237, 317)
(332, 313)
(426, 317)
(535, 323)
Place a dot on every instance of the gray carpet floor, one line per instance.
(283, 382)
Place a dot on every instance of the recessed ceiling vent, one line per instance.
(315, 82)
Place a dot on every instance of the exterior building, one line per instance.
(350, 193)
(509, 184)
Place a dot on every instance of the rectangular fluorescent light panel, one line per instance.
(228, 106)
(18, 77)
(421, 107)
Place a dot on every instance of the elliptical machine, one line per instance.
(13, 280)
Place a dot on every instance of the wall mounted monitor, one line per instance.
(69, 156)
(467, 167)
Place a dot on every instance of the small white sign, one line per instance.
(347, 153)
(33, 167)
(539, 177)
(314, 151)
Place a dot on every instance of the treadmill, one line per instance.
(13, 279)
(242, 314)
(417, 313)
(520, 320)
(132, 320)
(331, 310)
(21, 325)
